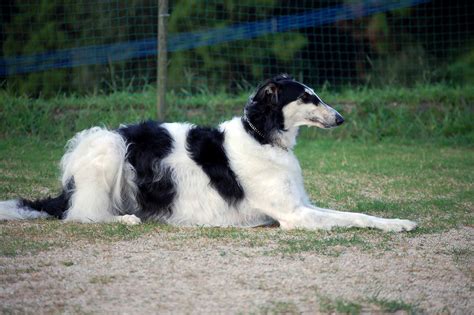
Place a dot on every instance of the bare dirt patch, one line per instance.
(184, 271)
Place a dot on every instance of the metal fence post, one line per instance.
(162, 58)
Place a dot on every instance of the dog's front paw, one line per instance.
(398, 225)
(129, 219)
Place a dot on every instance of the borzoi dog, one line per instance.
(243, 173)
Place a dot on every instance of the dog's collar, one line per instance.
(277, 143)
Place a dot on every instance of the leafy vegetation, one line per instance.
(397, 47)
(430, 112)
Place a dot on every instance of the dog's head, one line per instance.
(289, 103)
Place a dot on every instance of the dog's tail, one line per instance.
(24, 209)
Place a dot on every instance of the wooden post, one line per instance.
(162, 72)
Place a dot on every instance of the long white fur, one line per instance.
(270, 176)
(96, 159)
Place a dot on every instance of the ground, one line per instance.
(53, 267)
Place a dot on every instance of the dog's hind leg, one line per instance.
(95, 160)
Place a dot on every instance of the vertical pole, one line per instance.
(162, 58)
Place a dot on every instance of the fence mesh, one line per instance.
(83, 46)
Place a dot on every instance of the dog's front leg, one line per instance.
(286, 201)
(311, 217)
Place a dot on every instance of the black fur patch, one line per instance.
(53, 206)
(148, 144)
(205, 147)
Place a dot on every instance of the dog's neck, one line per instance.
(288, 137)
(284, 139)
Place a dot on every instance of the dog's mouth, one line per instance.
(319, 123)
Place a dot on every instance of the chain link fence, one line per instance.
(91, 46)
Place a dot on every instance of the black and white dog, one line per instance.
(243, 173)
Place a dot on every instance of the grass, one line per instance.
(392, 306)
(462, 254)
(404, 153)
(20, 238)
(102, 279)
(429, 183)
(435, 112)
(279, 308)
(339, 306)
(326, 245)
(14, 247)
(373, 305)
(342, 306)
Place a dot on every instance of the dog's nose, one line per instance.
(339, 119)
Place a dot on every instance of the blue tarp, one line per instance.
(104, 54)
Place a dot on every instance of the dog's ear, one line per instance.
(271, 93)
(266, 93)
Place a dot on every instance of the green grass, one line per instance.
(339, 306)
(20, 246)
(342, 306)
(431, 112)
(373, 305)
(429, 183)
(20, 238)
(392, 306)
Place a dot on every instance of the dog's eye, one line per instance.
(306, 97)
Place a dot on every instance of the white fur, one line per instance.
(129, 219)
(95, 158)
(301, 114)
